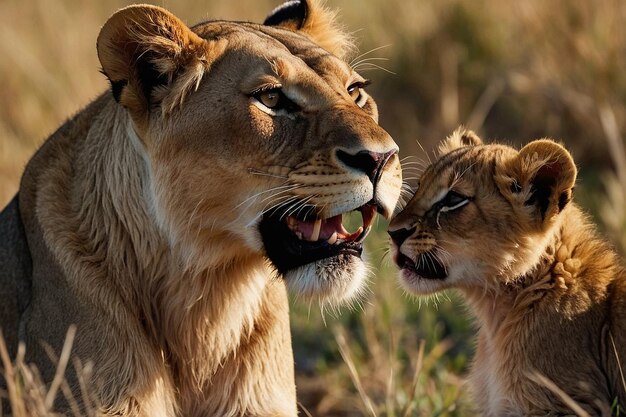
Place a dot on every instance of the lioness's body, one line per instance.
(249, 357)
(139, 219)
(548, 292)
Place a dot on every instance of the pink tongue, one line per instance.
(328, 228)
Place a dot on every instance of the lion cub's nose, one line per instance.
(370, 163)
(399, 236)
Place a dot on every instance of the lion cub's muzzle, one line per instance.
(415, 250)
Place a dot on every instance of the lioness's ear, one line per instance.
(316, 21)
(151, 57)
(460, 138)
(545, 177)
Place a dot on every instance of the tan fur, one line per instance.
(548, 292)
(141, 216)
(322, 26)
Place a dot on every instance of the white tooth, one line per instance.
(364, 234)
(316, 230)
(332, 239)
(299, 235)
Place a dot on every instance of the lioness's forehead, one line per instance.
(275, 42)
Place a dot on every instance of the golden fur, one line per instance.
(548, 292)
(141, 213)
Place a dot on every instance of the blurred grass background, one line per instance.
(512, 71)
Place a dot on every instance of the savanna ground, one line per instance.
(510, 70)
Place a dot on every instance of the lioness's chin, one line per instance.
(317, 256)
(335, 280)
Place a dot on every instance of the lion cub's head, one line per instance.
(482, 214)
(257, 139)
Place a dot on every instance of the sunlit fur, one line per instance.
(549, 294)
(141, 213)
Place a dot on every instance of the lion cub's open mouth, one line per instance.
(295, 240)
(426, 266)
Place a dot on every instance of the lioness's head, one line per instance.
(257, 138)
(482, 214)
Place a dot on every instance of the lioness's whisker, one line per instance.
(296, 206)
(281, 192)
(289, 187)
(276, 204)
(304, 204)
(255, 171)
(365, 60)
(271, 205)
(368, 66)
(369, 52)
(312, 207)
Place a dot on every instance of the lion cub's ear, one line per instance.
(316, 21)
(151, 57)
(545, 175)
(460, 138)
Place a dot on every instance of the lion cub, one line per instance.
(548, 292)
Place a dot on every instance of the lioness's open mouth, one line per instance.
(426, 266)
(295, 240)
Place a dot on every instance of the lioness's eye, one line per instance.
(454, 200)
(275, 99)
(269, 99)
(356, 92)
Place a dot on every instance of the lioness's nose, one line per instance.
(370, 163)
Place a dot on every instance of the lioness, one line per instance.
(149, 218)
(548, 292)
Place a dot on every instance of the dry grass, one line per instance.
(515, 70)
(29, 396)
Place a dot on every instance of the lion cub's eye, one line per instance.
(356, 91)
(274, 100)
(453, 201)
